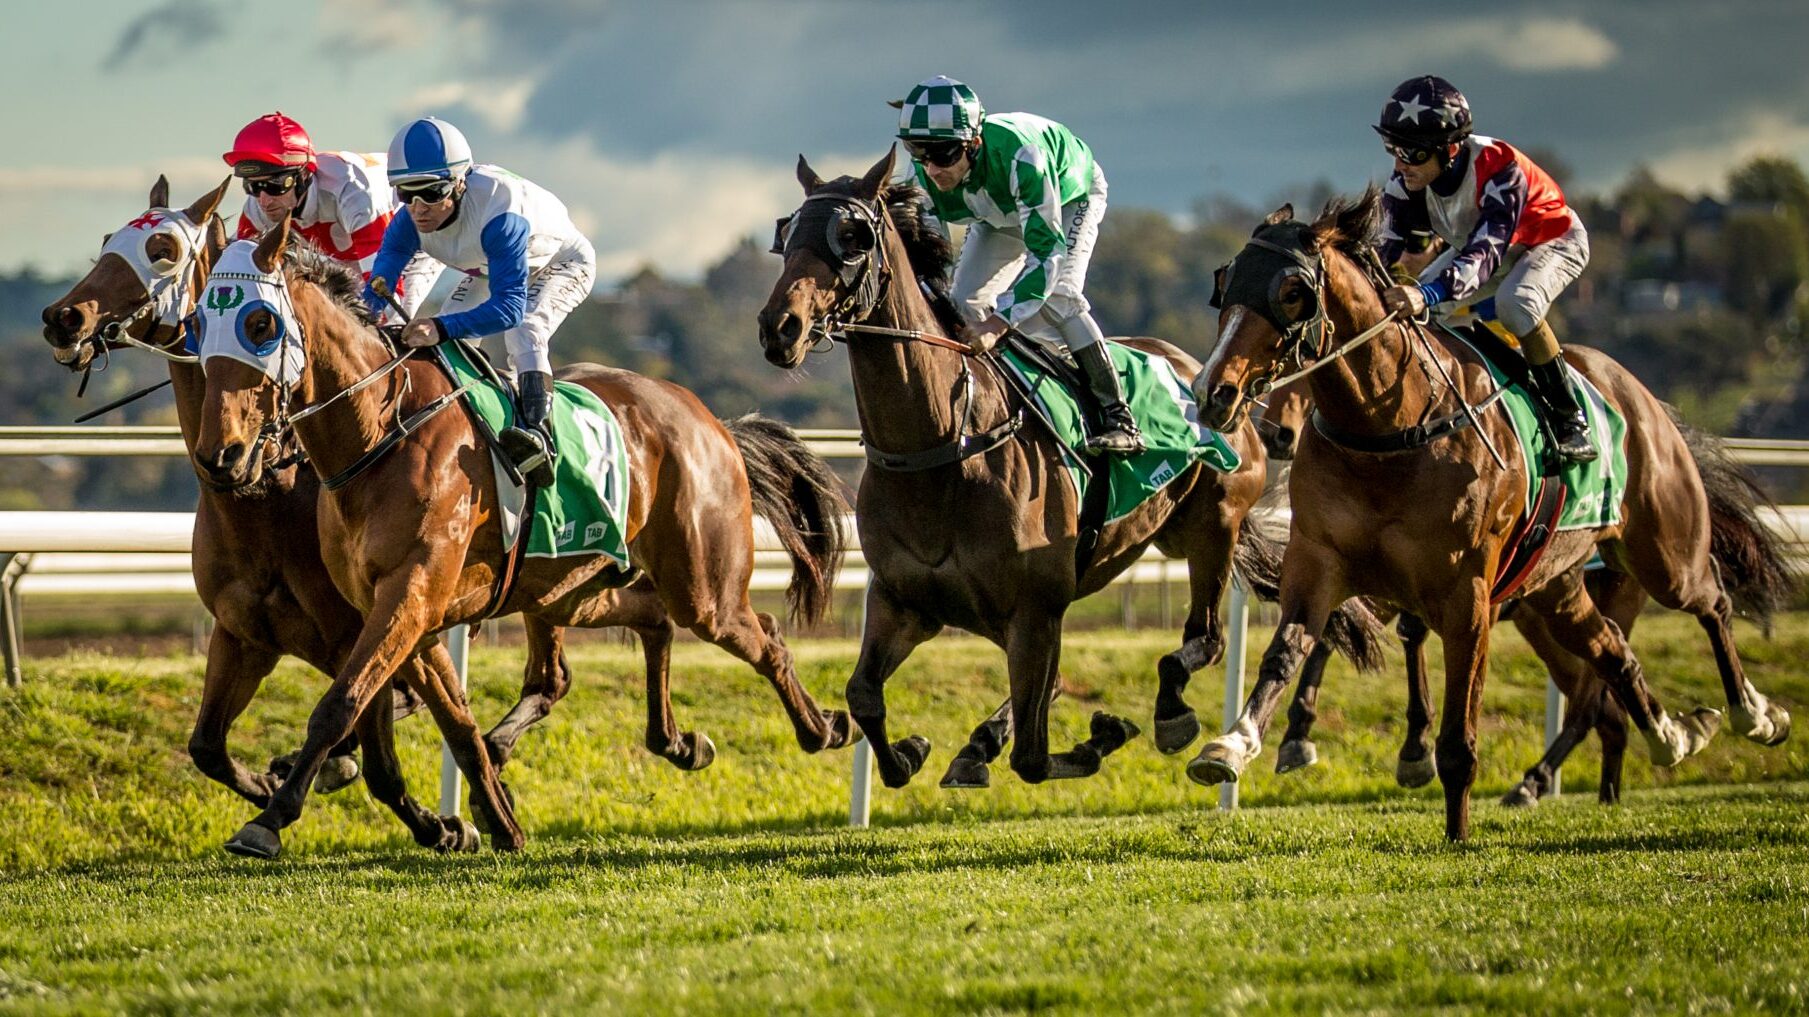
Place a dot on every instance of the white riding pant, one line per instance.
(992, 258)
(1528, 279)
(553, 292)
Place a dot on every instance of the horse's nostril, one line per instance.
(228, 458)
(790, 328)
(1224, 395)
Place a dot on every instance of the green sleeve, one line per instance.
(1039, 210)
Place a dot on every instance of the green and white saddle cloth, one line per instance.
(1165, 411)
(586, 509)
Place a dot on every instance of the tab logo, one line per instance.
(593, 533)
(564, 535)
(1163, 473)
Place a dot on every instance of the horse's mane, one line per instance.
(1348, 224)
(931, 254)
(339, 279)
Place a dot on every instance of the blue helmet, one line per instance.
(428, 149)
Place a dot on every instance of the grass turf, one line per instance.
(735, 889)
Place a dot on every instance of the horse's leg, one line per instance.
(235, 670)
(1582, 630)
(1297, 750)
(1611, 728)
(1311, 585)
(639, 608)
(396, 628)
(1414, 766)
(383, 774)
(970, 767)
(1209, 546)
(890, 634)
(1033, 649)
(1465, 635)
(544, 681)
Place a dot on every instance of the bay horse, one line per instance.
(269, 596)
(414, 537)
(1748, 552)
(965, 515)
(1422, 525)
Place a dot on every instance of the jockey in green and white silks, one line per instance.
(1032, 198)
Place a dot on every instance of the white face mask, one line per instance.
(235, 289)
(162, 279)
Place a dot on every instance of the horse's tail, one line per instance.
(795, 491)
(1353, 630)
(1752, 555)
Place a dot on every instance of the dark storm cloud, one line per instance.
(181, 25)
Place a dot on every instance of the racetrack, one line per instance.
(736, 888)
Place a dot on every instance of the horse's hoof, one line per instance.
(698, 751)
(911, 752)
(842, 731)
(1216, 764)
(335, 774)
(1412, 773)
(469, 840)
(1176, 733)
(256, 841)
(477, 814)
(1296, 755)
(967, 772)
(282, 765)
(1768, 727)
(1523, 796)
(1108, 733)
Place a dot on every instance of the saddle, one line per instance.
(1097, 500)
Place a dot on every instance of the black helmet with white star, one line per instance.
(1425, 111)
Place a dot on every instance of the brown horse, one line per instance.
(1748, 553)
(965, 515)
(1422, 526)
(268, 597)
(415, 540)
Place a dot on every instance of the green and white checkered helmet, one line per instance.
(941, 108)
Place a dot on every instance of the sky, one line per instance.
(672, 129)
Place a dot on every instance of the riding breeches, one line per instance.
(553, 292)
(992, 258)
(1528, 280)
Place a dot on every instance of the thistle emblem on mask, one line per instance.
(221, 299)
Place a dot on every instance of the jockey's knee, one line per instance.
(1076, 326)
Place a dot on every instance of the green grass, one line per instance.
(737, 889)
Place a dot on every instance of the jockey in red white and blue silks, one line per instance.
(526, 266)
(1512, 243)
(339, 201)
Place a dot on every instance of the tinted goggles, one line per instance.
(276, 184)
(937, 153)
(1408, 154)
(432, 192)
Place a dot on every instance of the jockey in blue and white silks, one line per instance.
(526, 265)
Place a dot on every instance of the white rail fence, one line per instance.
(90, 554)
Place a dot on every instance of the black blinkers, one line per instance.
(844, 232)
(1232, 288)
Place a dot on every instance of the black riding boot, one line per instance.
(529, 440)
(1564, 419)
(1120, 436)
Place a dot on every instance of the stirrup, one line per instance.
(1575, 448)
(1119, 441)
(528, 451)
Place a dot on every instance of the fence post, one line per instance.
(1554, 723)
(1237, 624)
(12, 566)
(458, 641)
(860, 790)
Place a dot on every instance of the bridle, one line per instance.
(165, 292)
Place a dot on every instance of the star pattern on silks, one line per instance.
(1411, 108)
(1496, 191)
(145, 221)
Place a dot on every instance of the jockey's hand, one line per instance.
(983, 337)
(380, 286)
(1406, 299)
(421, 332)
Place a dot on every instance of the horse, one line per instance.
(1387, 511)
(1748, 552)
(412, 533)
(965, 516)
(268, 597)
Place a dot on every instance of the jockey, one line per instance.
(337, 200)
(525, 265)
(1034, 198)
(1508, 233)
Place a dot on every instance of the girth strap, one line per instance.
(964, 447)
(1417, 436)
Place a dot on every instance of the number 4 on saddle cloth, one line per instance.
(584, 512)
(1163, 407)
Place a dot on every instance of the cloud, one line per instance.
(1705, 166)
(500, 104)
(1545, 44)
(182, 24)
(189, 178)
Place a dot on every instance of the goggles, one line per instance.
(432, 192)
(274, 185)
(1409, 155)
(938, 152)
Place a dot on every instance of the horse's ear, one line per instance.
(160, 193)
(807, 176)
(216, 236)
(880, 173)
(207, 204)
(1283, 214)
(271, 245)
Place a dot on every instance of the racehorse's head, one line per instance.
(252, 349)
(145, 279)
(1273, 304)
(834, 264)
